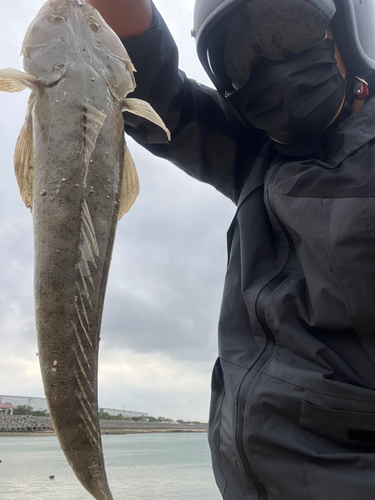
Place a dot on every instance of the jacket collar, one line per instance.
(352, 134)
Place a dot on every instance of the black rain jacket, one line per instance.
(293, 402)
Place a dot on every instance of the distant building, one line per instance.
(40, 404)
(124, 413)
(37, 404)
(6, 409)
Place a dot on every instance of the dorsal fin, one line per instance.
(88, 247)
(93, 121)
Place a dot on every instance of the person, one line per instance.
(289, 137)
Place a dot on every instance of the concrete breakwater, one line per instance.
(30, 424)
(25, 423)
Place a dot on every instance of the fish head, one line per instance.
(72, 33)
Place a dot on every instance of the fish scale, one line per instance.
(77, 176)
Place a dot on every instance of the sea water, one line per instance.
(170, 466)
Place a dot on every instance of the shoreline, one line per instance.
(107, 432)
(42, 426)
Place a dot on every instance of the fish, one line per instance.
(76, 175)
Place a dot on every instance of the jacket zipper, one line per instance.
(268, 350)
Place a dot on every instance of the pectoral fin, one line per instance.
(142, 108)
(130, 185)
(24, 157)
(12, 80)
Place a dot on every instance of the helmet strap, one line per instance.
(356, 90)
(360, 89)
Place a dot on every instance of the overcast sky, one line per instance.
(159, 331)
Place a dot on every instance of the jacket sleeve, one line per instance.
(205, 132)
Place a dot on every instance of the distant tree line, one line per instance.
(106, 416)
(189, 422)
(28, 410)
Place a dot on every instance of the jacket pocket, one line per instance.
(337, 442)
(352, 429)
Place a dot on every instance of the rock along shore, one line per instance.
(27, 424)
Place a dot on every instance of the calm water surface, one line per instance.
(139, 467)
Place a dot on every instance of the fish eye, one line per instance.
(95, 27)
(55, 19)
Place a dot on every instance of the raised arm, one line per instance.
(126, 17)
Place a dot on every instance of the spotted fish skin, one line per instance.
(76, 175)
(75, 212)
(79, 152)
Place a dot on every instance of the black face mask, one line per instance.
(293, 100)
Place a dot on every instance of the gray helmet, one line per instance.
(232, 34)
